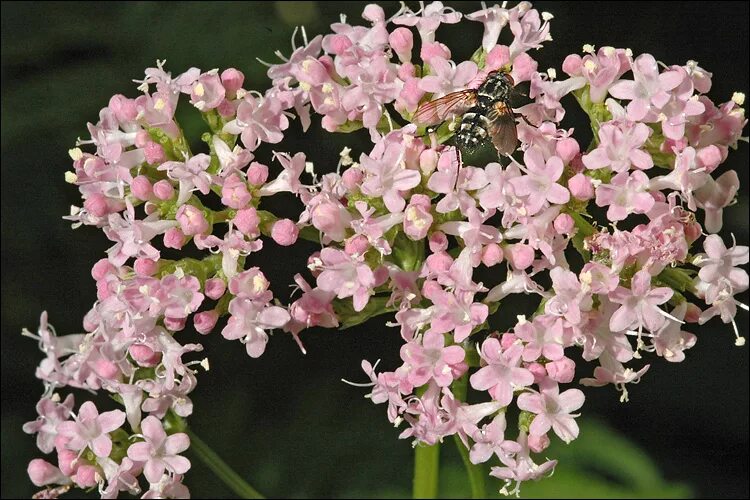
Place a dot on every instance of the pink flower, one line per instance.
(528, 30)
(192, 221)
(625, 195)
(714, 196)
(90, 429)
(670, 341)
(348, 276)
(159, 451)
(553, 410)
(543, 338)
(132, 236)
(433, 360)
(719, 263)
(494, 19)
(417, 217)
(432, 16)
(502, 375)
(284, 232)
(539, 184)
(191, 175)
(619, 147)
(455, 311)
(230, 160)
(445, 77)
(521, 467)
(51, 413)
(249, 321)
(251, 284)
(490, 439)
(601, 70)
(288, 179)
(259, 119)
(207, 92)
(640, 304)
(387, 176)
(179, 296)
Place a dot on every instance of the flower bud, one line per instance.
(284, 232)
(191, 219)
(247, 221)
(163, 189)
(173, 238)
(205, 321)
(141, 187)
(214, 288)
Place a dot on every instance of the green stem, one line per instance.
(426, 471)
(474, 472)
(221, 469)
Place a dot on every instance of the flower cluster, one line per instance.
(606, 240)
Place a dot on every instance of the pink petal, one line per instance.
(151, 427)
(153, 470)
(176, 443)
(88, 411)
(530, 402)
(139, 452)
(571, 400)
(622, 319)
(596, 159)
(566, 428)
(557, 194)
(177, 464)
(111, 420)
(102, 445)
(540, 425)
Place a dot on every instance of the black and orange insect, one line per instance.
(485, 112)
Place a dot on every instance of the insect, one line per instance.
(486, 114)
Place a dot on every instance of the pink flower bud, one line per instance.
(507, 340)
(562, 371)
(356, 245)
(538, 371)
(338, 44)
(498, 57)
(96, 204)
(145, 267)
(520, 255)
(407, 71)
(142, 138)
(225, 109)
(434, 49)
(438, 241)
(67, 460)
(572, 65)
(232, 79)
(43, 473)
(257, 174)
(214, 288)
(430, 288)
(144, 355)
(693, 313)
(154, 153)
(439, 262)
(538, 444)
(205, 321)
(247, 221)
(284, 232)
(163, 189)
(523, 67)
(492, 254)
(101, 269)
(191, 219)
(567, 149)
(141, 187)
(564, 224)
(401, 41)
(105, 368)
(428, 161)
(234, 193)
(175, 324)
(352, 178)
(581, 187)
(85, 476)
(174, 238)
(709, 158)
(124, 109)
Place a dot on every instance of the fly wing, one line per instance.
(436, 111)
(502, 128)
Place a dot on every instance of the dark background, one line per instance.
(285, 420)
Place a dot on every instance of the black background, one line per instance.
(286, 418)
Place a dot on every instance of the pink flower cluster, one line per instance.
(405, 228)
